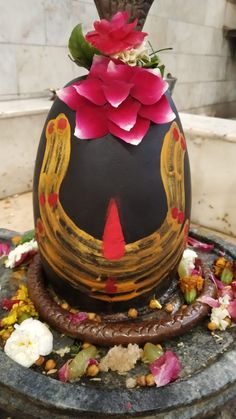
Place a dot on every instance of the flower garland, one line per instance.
(124, 91)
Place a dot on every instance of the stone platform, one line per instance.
(207, 382)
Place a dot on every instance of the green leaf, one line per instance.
(81, 51)
(227, 276)
(27, 237)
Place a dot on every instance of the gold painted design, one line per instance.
(77, 257)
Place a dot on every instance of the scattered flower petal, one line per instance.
(166, 368)
(4, 249)
(206, 299)
(196, 244)
(232, 310)
(78, 317)
(63, 372)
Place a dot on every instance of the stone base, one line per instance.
(207, 382)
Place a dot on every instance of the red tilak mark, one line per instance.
(50, 127)
(52, 199)
(175, 134)
(113, 239)
(62, 123)
(42, 199)
(111, 286)
(174, 212)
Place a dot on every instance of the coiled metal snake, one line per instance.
(107, 333)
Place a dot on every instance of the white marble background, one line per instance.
(34, 35)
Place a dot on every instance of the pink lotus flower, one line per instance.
(118, 99)
(115, 36)
(166, 368)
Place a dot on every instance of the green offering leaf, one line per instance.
(82, 52)
(190, 296)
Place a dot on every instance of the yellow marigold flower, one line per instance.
(191, 286)
(22, 293)
(10, 319)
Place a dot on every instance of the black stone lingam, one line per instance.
(88, 193)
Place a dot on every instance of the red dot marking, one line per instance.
(181, 216)
(42, 199)
(113, 239)
(111, 286)
(174, 212)
(51, 127)
(175, 134)
(62, 123)
(183, 143)
(52, 199)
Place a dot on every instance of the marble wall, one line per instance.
(34, 35)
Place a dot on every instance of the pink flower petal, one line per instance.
(121, 72)
(206, 299)
(70, 97)
(135, 135)
(196, 244)
(125, 116)
(91, 122)
(4, 249)
(25, 258)
(92, 361)
(116, 92)
(166, 368)
(160, 112)
(63, 372)
(99, 66)
(78, 317)
(148, 88)
(232, 309)
(227, 290)
(91, 89)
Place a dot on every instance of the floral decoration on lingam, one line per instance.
(124, 91)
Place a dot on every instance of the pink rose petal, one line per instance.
(148, 88)
(196, 244)
(160, 112)
(78, 317)
(227, 290)
(99, 66)
(63, 372)
(70, 96)
(135, 135)
(91, 89)
(232, 309)
(125, 116)
(166, 368)
(4, 249)
(120, 72)
(117, 92)
(91, 122)
(206, 299)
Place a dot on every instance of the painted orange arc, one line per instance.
(113, 243)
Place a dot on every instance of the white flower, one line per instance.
(15, 254)
(29, 340)
(187, 263)
(133, 55)
(218, 315)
